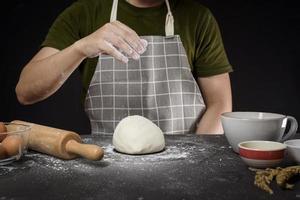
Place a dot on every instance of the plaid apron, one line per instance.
(159, 86)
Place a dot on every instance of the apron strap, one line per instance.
(114, 9)
(169, 24)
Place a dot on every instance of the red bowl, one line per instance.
(261, 154)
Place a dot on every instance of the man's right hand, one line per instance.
(50, 67)
(113, 38)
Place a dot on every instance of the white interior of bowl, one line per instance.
(293, 143)
(262, 145)
(252, 115)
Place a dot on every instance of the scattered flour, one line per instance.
(170, 153)
(186, 151)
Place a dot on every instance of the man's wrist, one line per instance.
(78, 49)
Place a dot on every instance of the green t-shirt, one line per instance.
(194, 23)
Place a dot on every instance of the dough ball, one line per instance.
(138, 135)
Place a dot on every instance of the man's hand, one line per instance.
(113, 39)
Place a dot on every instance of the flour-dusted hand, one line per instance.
(50, 67)
(113, 38)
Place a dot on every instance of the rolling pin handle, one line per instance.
(89, 151)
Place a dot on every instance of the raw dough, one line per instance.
(138, 135)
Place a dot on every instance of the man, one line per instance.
(88, 29)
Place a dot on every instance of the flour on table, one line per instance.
(186, 152)
(169, 154)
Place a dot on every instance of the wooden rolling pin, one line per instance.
(60, 143)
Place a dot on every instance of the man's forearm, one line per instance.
(210, 122)
(41, 77)
(216, 91)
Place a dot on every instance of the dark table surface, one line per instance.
(191, 167)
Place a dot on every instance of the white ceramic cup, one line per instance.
(293, 149)
(243, 126)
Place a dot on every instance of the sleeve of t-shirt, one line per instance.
(66, 28)
(210, 55)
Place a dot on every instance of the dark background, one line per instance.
(261, 39)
